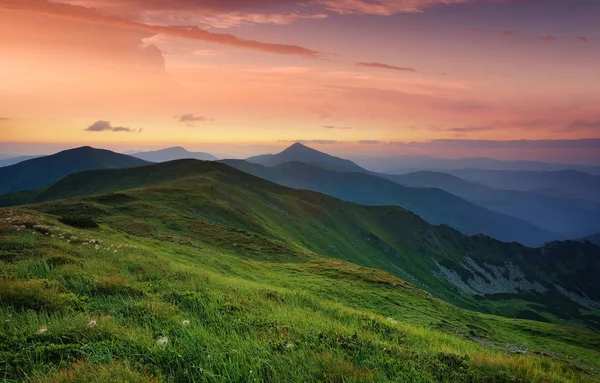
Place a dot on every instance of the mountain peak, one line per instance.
(176, 149)
(299, 149)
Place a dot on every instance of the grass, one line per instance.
(149, 304)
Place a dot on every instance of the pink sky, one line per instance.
(241, 77)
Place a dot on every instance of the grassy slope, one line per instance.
(193, 198)
(278, 314)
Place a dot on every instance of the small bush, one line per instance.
(80, 222)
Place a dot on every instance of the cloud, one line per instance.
(509, 33)
(384, 66)
(190, 117)
(338, 127)
(550, 38)
(314, 142)
(283, 9)
(466, 129)
(5, 119)
(370, 142)
(93, 16)
(577, 125)
(105, 126)
(583, 38)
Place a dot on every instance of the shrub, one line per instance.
(80, 222)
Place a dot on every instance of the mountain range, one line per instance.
(568, 215)
(564, 183)
(408, 164)
(174, 153)
(447, 263)
(434, 205)
(528, 217)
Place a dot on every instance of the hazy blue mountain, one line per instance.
(38, 172)
(573, 217)
(406, 164)
(302, 153)
(565, 183)
(174, 153)
(15, 160)
(434, 205)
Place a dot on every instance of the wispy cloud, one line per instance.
(191, 117)
(105, 126)
(5, 119)
(384, 66)
(91, 15)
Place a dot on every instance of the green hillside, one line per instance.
(192, 201)
(174, 286)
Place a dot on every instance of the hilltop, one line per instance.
(41, 171)
(302, 153)
(174, 153)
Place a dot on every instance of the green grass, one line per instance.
(79, 305)
(213, 206)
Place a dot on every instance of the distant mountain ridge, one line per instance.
(573, 217)
(38, 172)
(301, 153)
(434, 205)
(173, 153)
(407, 164)
(563, 183)
(16, 160)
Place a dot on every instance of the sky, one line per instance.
(510, 79)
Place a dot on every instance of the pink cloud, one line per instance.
(384, 66)
(195, 33)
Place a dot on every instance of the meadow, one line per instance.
(104, 304)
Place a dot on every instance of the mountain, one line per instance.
(37, 172)
(302, 153)
(174, 153)
(574, 218)
(407, 164)
(15, 160)
(188, 200)
(194, 271)
(565, 183)
(594, 239)
(434, 205)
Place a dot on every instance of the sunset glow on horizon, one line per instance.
(461, 78)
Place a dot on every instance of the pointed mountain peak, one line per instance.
(299, 148)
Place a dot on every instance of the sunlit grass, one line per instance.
(118, 307)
